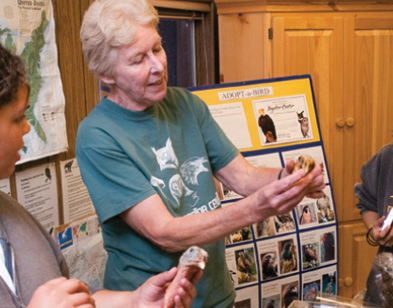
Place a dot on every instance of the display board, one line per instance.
(285, 257)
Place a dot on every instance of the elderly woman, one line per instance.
(33, 273)
(148, 154)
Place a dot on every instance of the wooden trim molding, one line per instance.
(182, 5)
(253, 6)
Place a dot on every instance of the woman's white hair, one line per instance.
(109, 24)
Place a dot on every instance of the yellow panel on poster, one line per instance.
(243, 110)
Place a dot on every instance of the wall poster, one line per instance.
(292, 256)
(27, 28)
(77, 203)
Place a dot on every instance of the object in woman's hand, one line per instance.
(383, 270)
(388, 221)
(192, 260)
(305, 162)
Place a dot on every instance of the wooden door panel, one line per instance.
(243, 47)
(355, 258)
(374, 86)
(372, 106)
(310, 44)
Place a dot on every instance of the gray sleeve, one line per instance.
(366, 200)
(366, 191)
(374, 190)
(56, 250)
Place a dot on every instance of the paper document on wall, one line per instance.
(28, 29)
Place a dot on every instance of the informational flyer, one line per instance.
(242, 264)
(81, 243)
(5, 186)
(227, 114)
(76, 199)
(292, 256)
(271, 160)
(37, 191)
(289, 116)
(316, 212)
(247, 297)
(321, 282)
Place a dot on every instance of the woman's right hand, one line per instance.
(62, 293)
(282, 196)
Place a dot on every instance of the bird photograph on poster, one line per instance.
(311, 291)
(241, 235)
(328, 251)
(245, 303)
(284, 223)
(271, 301)
(246, 265)
(264, 228)
(290, 293)
(288, 256)
(310, 255)
(329, 283)
(325, 209)
(306, 213)
(269, 265)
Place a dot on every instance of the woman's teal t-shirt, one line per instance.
(170, 149)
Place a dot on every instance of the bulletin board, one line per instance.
(291, 256)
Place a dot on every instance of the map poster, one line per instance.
(82, 246)
(27, 28)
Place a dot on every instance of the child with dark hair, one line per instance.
(12, 76)
(33, 272)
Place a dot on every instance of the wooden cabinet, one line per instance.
(348, 51)
(349, 57)
(355, 257)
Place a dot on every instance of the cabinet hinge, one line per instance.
(270, 33)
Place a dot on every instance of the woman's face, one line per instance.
(13, 125)
(140, 72)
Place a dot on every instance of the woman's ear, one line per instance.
(106, 79)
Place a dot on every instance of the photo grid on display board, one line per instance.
(288, 257)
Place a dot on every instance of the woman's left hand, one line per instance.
(152, 292)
